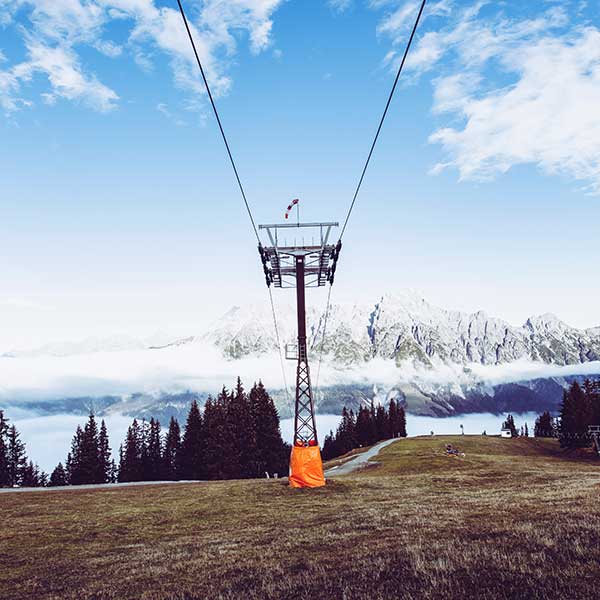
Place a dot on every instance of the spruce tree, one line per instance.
(272, 454)
(191, 459)
(104, 459)
(544, 426)
(401, 422)
(382, 423)
(171, 450)
(510, 424)
(575, 418)
(243, 430)
(130, 466)
(393, 418)
(17, 459)
(4, 477)
(58, 476)
(220, 449)
(32, 476)
(90, 467)
(154, 460)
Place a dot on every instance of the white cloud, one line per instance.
(518, 90)
(340, 5)
(550, 117)
(66, 78)
(61, 27)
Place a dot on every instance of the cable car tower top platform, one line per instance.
(309, 241)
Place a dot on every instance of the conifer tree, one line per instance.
(17, 459)
(130, 467)
(89, 466)
(329, 449)
(154, 459)
(105, 463)
(272, 454)
(365, 427)
(382, 423)
(401, 422)
(191, 459)
(58, 476)
(544, 426)
(510, 424)
(32, 476)
(219, 450)
(73, 466)
(241, 424)
(171, 450)
(575, 418)
(4, 477)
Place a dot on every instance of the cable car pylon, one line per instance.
(300, 266)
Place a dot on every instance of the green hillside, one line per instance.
(512, 519)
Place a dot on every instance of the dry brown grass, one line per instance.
(513, 519)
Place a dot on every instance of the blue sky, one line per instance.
(119, 212)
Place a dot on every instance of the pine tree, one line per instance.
(220, 452)
(144, 443)
(402, 422)
(154, 459)
(4, 477)
(575, 418)
(241, 424)
(59, 476)
(191, 459)
(105, 463)
(382, 423)
(329, 447)
(510, 424)
(544, 426)
(526, 432)
(365, 427)
(73, 465)
(273, 453)
(171, 450)
(90, 466)
(130, 466)
(17, 459)
(32, 477)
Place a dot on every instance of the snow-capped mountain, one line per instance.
(405, 327)
(437, 361)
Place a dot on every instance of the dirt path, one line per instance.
(359, 461)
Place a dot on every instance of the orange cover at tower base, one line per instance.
(306, 467)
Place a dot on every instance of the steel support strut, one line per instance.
(305, 427)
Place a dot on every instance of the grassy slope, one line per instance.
(513, 519)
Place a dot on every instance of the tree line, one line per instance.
(236, 436)
(580, 408)
(370, 425)
(15, 468)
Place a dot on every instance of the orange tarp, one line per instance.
(306, 467)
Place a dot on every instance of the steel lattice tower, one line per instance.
(300, 265)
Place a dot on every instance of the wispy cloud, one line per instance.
(55, 31)
(517, 90)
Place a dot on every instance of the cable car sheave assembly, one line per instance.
(300, 266)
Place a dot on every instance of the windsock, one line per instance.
(289, 208)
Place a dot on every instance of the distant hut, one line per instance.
(506, 433)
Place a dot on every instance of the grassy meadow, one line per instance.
(512, 519)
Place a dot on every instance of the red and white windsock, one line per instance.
(289, 208)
